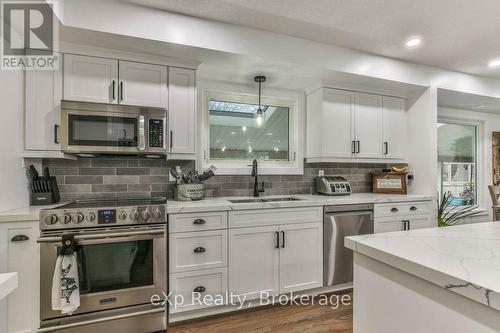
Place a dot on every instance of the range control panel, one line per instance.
(155, 133)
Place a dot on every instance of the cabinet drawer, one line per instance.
(197, 221)
(402, 209)
(190, 251)
(251, 218)
(397, 223)
(194, 286)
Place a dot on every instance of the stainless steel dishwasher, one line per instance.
(339, 222)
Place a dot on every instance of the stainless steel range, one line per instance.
(121, 250)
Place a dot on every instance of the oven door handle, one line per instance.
(100, 320)
(104, 236)
(142, 133)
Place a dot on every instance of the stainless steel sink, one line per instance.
(264, 200)
(246, 200)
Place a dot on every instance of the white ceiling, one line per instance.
(461, 35)
(464, 101)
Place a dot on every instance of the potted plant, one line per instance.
(450, 215)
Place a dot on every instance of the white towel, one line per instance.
(65, 290)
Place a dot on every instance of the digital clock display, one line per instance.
(107, 216)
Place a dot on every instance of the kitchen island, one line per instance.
(428, 280)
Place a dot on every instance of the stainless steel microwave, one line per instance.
(94, 128)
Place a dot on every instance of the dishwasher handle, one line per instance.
(357, 212)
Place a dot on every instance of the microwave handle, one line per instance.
(142, 133)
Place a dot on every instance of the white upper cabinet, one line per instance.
(181, 110)
(143, 84)
(42, 110)
(395, 128)
(90, 79)
(345, 125)
(368, 125)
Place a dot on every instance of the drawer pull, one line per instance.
(19, 238)
(199, 289)
(199, 250)
(413, 208)
(199, 221)
(394, 210)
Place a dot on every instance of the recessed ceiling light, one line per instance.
(494, 63)
(413, 42)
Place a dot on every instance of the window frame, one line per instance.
(239, 167)
(479, 154)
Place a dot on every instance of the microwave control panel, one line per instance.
(155, 133)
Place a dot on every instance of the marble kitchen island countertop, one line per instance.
(464, 259)
(307, 200)
(8, 283)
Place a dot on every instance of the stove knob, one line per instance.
(134, 215)
(123, 215)
(91, 217)
(79, 218)
(51, 219)
(145, 215)
(66, 218)
(156, 214)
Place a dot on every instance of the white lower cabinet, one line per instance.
(254, 261)
(198, 289)
(272, 260)
(403, 216)
(19, 253)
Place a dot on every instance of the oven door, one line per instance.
(115, 269)
(102, 132)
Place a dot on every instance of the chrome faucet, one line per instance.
(256, 189)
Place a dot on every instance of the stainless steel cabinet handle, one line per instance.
(199, 249)
(114, 88)
(413, 208)
(359, 145)
(121, 90)
(277, 234)
(171, 139)
(19, 238)
(404, 224)
(394, 210)
(353, 147)
(283, 239)
(199, 221)
(386, 148)
(199, 289)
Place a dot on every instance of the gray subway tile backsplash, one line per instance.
(125, 177)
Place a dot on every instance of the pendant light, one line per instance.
(259, 115)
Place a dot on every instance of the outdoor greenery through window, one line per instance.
(236, 133)
(457, 162)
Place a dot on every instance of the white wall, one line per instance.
(13, 190)
(489, 123)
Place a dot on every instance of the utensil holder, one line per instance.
(189, 192)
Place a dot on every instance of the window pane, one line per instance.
(235, 132)
(457, 162)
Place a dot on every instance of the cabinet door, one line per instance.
(337, 123)
(143, 84)
(23, 258)
(181, 110)
(90, 79)
(43, 94)
(301, 256)
(394, 129)
(388, 226)
(254, 261)
(422, 222)
(368, 125)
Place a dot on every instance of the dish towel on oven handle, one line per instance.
(65, 284)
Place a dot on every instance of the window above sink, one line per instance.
(233, 136)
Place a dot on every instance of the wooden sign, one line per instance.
(389, 182)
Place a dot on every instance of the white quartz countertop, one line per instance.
(310, 200)
(8, 283)
(464, 259)
(28, 213)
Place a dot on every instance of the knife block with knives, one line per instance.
(43, 190)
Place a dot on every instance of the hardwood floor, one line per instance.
(282, 318)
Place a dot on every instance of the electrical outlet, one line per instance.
(321, 173)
